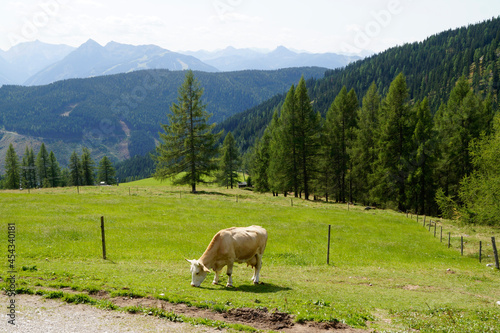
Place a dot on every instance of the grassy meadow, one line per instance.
(387, 272)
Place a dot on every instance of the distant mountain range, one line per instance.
(26, 59)
(231, 59)
(37, 63)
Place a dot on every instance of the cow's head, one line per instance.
(198, 272)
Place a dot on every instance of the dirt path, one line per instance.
(38, 315)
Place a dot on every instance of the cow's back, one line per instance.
(244, 243)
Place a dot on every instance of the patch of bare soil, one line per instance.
(261, 319)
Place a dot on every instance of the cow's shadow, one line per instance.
(261, 288)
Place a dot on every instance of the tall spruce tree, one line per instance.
(395, 137)
(308, 138)
(458, 123)
(324, 184)
(42, 164)
(88, 167)
(12, 176)
(339, 127)
(28, 169)
(106, 172)
(420, 180)
(75, 170)
(230, 162)
(284, 147)
(260, 162)
(364, 152)
(54, 170)
(279, 178)
(188, 146)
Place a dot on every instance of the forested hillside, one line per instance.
(424, 140)
(431, 67)
(124, 111)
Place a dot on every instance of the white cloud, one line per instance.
(92, 3)
(236, 17)
(352, 27)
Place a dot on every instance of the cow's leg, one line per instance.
(229, 272)
(258, 265)
(216, 278)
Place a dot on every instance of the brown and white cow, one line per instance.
(241, 245)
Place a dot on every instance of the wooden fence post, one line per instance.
(328, 252)
(449, 239)
(435, 226)
(441, 238)
(462, 245)
(480, 248)
(430, 225)
(424, 222)
(495, 252)
(103, 239)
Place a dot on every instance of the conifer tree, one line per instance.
(42, 164)
(364, 153)
(284, 147)
(54, 171)
(295, 144)
(324, 181)
(395, 137)
(106, 172)
(12, 177)
(75, 170)
(278, 177)
(188, 146)
(420, 180)
(308, 138)
(340, 124)
(458, 123)
(28, 169)
(88, 167)
(64, 178)
(260, 162)
(229, 162)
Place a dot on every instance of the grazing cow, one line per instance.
(241, 245)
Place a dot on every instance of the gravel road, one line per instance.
(34, 314)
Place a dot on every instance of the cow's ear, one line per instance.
(205, 268)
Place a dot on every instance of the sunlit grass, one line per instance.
(380, 261)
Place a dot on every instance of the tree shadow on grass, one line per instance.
(212, 193)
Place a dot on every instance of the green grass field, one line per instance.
(386, 271)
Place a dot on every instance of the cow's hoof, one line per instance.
(215, 283)
(229, 285)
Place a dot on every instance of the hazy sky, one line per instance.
(312, 25)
